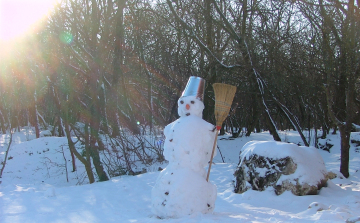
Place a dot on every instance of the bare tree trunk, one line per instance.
(94, 153)
(71, 144)
(118, 75)
(345, 150)
(293, 120)
(42, 120)
(73, 162)
(2, 120)
(36, 119)
(72, 148)
(345, 100)
(6, 153)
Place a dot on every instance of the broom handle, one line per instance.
(212, 154)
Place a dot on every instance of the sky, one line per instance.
(18, 16)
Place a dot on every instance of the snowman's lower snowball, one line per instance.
(181, 192)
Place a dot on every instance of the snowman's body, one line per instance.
(181, 188)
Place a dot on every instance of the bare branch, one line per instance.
(197, 39)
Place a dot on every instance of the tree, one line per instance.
(337, 22)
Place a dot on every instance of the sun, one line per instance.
(17, 16)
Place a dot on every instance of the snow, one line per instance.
(42, 160)
(25, 198)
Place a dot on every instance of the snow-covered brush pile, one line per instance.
(125, 153)
(132, 154)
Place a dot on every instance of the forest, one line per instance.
(116, 68)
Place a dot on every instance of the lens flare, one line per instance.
(66, 37)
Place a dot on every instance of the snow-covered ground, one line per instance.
(34, 188)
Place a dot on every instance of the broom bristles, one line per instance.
(224, 95)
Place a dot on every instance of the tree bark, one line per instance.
(118, 76)
(6, 154)
(71, 144)
(72, 148)
(345, 150)
(2, 120)
(341, 107)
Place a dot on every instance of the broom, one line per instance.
(224, 95)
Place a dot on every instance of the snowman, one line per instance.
(181, 188)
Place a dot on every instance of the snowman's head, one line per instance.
(190, 105)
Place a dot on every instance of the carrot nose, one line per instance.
(187, 106)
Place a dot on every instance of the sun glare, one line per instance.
(18, 16)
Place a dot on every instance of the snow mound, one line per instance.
(282, 166)
(311, 165)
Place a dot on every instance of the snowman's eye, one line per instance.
(181, 102)
(192, 102)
